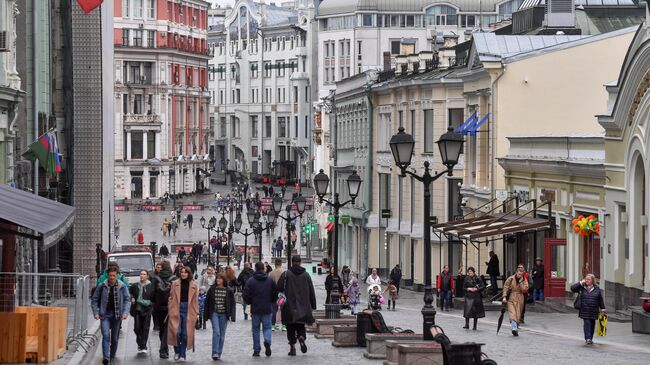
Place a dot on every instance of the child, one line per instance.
(352, 290)
(200, 322)
(375, 297)
(392, 292)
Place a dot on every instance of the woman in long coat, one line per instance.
(165, 227)
(183, 310)
(514, 291)
(474, 288)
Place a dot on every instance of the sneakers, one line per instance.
(515, 333)
(105, 362)
(284, 328)
(177, 357)
(303, 346)
(274, 327)
(590, 342)
(215, 357)
(267, 349)
(292, 351)
(164, 355)
(256, 354)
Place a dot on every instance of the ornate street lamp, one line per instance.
(451, 146)
(277, 208)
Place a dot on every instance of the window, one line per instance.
(268, 127)
(455, 117)
(221, 101)
(306, 94)
(221, 71)
(254, 126)
(267, 94)
(400, 118)
(151, 9)
(428, 131)
(282, 127)
(295, 94)
(137, 104)
(149, 104)
(153, 186)
(137, 8)
(267, 69)
(151, 36)
(136, 145)
(306, 126)
(137, 38)
(441, 15)
(367, 20)
(467, 21)
(151, 145)
(222, 127)
(380, 21)
(125, 103)
(395, 47)
(413, 129)
(254, 70)
(295, 127)
(125, 36)
(280, 68)
(384, 132)
(410, 21)
(126, 4)
(384, 191)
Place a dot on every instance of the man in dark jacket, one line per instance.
(260, 293)
(162, 288)
(279, 247)
(445, 288)
(243, 277)
(298, 289)
(396, 276)
(538, 280)
(493, 270)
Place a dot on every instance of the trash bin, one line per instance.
(364, 325)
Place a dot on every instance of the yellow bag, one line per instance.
(602, 325)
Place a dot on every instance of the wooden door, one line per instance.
(554, 267)
(591, 255)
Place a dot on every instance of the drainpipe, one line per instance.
(365, 214)
(492, 114)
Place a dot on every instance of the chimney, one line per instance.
(450, 40)
(413, 63)
(401, 62)
(426, 58)
(387, 61)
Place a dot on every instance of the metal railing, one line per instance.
(70, 291)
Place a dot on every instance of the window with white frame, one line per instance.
(428, 131)
(137, 8)
(151, 9)
(126, 5)
(384, 132)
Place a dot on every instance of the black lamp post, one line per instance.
(260, 227)
(321, 182)
(252, 221)
(223, 223)
(300, 202)
(209, 227)
(451, 146)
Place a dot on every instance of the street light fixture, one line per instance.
(321, 182)
(451, 146)
(210, 227)
(277, 208)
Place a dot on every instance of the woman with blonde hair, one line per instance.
(589, 304)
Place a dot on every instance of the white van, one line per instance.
(131, 263)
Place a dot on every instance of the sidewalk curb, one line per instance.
(81, 357)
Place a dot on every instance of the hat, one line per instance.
(295, 258)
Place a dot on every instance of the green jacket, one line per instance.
(104, 277)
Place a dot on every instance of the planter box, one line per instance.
(392, 349)
(325, 327)
(376, 342)
(640, 321)
(429, 353)
(318, 314)
(345, 336)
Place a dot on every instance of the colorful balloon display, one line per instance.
(586, 226)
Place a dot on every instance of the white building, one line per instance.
(353, 34)
(260, 81)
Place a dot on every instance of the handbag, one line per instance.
(577, 302)
(281, 300)
(602, 325)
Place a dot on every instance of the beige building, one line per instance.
(625, 257)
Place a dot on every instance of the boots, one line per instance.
(475, 322)
(292, 350)
(466, 326)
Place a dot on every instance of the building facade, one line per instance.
(161, 113)
(261, 88)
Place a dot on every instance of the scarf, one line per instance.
(143, 302)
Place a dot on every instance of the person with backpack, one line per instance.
(298, 289)
(142, 296)
(260, 293)
(162, 288)
(243, 277)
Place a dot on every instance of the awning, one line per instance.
(491, 225)
(463, 128)
(49, 219)
(472, 130)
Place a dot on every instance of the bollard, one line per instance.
(320, 271)
(313, 269)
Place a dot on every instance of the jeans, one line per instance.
(294, 329)
(181, 335)
(589, 325)
(162, 334)
(445, 298)
(219, 324)
(111, 334)
(514, 326)
(538, 294)
(265, 321)
(243, 305)
(493, 283)
(141, 323)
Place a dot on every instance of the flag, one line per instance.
(88, 5)
(46, 150)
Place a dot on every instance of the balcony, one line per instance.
(141, 119)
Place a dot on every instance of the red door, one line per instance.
(591, 255)
(554, 267)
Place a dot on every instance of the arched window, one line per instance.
(441, 15)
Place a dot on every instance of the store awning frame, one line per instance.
(47, 219)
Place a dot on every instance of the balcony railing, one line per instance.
(141, 118)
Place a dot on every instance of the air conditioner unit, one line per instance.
(3, 42)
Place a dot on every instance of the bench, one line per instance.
(345, 335)
(33, 334)
(325, 327)
(376, 342)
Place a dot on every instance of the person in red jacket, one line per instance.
(445, 287)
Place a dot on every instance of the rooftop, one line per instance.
(333, 7)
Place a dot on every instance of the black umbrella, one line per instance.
(504, 307)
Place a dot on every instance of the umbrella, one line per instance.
(504, 306)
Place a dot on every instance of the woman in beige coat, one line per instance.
(514, 291)
(165, 227)
(183, 310)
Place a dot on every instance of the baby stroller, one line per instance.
(345, 299)
(375, 298)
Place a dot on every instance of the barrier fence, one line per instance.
(71, 291)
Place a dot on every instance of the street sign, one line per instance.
(386, 213)
(345, 219)
(501, 195)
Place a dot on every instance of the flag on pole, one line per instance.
(88, 5)
(46, 150)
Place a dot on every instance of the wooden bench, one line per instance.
(33, 334)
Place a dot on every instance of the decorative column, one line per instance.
(128, 146)
(144, 146)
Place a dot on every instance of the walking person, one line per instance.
(243, 277)
(373, 278)
(142, 296)
(260, 293)
(183, 312)
(165, 227)
(333, 283)
(352, 291)
(538, 280)
(526, 293)
(111, 303)
(219, 308)
(392, 294)
(279, 247)
(591, 303)
(273, 251)
(164, 251)
(153, 279)
(474, 287)
(445, 288)
(493, 271)
(396, 276)
(275, 275)
(345, 275)
(174, 227)
(162, 290)
(190, 220)
(300, 296)
(513, 294)
(208, 278)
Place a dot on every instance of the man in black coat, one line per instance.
(162, 288)
(493, 270)
(396, 276)
(260, 293)
(538, 280)
(298, 289)
(243, 277)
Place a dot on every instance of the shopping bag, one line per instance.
(602, 325)
(238, 298)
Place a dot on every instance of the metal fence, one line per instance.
(71, 291)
